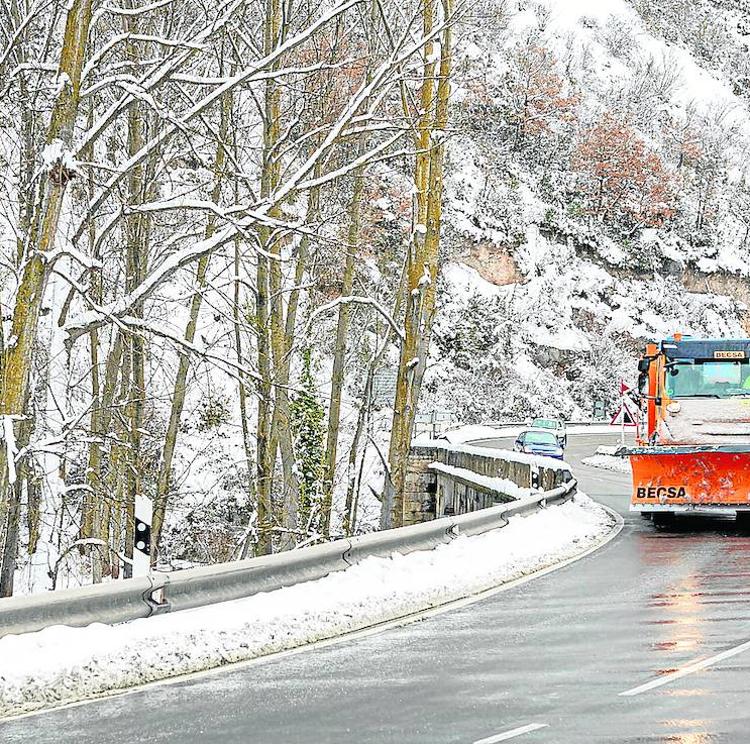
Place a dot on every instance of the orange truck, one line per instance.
(692, 451)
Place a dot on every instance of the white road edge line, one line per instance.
(689, 669)
(619, 523)
(512, 734)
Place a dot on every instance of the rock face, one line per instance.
(549, 356)
(494, 263)
(730, 285)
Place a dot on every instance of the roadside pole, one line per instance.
(624, 408)
(142, 549)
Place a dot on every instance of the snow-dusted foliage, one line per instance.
(599, 193)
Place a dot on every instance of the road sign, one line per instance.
(627, 413)
(384, 386)
(624, 416)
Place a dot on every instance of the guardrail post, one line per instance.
(156, 597)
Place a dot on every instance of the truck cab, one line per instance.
(693, 443)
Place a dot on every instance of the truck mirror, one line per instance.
(642, 383)
(643, 365)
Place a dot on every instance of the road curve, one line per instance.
(547, 661)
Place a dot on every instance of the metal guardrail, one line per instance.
(484, 520)
(180, 590)
(105, 603)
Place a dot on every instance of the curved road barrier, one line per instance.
(180, 590)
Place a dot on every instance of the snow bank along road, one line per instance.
(603, 650)
(63, 665)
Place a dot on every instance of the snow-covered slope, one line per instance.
(560, 294)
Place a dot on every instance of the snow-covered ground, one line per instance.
(608, 462)
(62, 665)
(606, 459)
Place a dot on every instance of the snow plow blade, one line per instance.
(711, 478)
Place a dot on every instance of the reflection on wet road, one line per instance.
(548, 660)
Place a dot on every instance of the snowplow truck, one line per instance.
(692, 451)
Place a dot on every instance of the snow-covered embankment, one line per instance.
(62, 665)
(605, 459)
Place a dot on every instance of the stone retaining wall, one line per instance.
(429, 494)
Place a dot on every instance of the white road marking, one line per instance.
(512, 734)
(689, 669)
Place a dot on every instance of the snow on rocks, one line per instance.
(62, 665)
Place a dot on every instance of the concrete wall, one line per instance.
(456, 495)
(429, 494)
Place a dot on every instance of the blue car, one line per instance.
(539, 442)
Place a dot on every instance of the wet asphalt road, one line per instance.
(556, 651)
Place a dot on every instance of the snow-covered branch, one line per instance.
(245, 76)
(355, 300)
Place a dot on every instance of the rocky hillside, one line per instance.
(598, 197)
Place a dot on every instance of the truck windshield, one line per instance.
(708, 379)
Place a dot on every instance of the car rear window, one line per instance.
(545, 423)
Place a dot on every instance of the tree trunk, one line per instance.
(92, 506)
(280, 429)
(120, 458)
(8, 563)
(135, 272)
(10, 551)
(339, 353)
(268, 245)
(242, 379)
(17, 360)
(101, 486)
(264, 465)
(350, 516)
(422, 266)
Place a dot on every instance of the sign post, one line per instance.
(626, 414)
